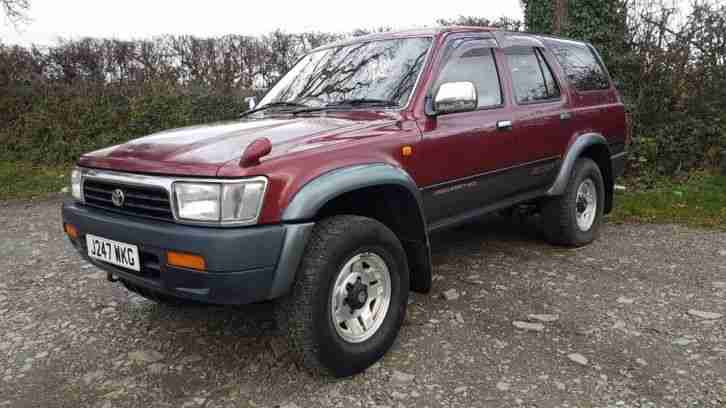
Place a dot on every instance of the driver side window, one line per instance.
(472, 60)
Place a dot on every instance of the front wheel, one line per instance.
(574, 218)
(349, 298)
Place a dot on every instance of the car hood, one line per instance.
(203, 150)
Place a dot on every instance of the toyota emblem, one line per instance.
(117, 197)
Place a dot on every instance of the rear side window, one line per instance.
(531, 76)
(473, 61)
(582, 67)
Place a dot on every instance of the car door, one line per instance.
(541, 119)
(463, 151)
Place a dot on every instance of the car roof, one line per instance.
(504, 38)
(414, 32)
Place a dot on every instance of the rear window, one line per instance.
(532, 78)
(581, 65)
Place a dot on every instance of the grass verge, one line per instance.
(697, 201)
(22, 180)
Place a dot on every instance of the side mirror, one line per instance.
(251, 102)
(455, 97)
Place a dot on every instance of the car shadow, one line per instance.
(494, 233)
(248, 341)
(490, 233)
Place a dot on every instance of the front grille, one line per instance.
(144, 201)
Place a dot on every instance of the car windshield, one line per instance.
(376, 72)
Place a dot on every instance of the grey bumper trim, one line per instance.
(246, 264)
(293, 248)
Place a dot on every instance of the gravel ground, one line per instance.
(511, 322)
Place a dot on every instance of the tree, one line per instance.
(15, 10)
(601, 22)
(560, 16)
(504, 23)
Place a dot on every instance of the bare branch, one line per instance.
(16, 11)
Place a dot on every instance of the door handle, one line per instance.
(565, 115)
(504, 125)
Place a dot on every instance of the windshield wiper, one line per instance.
(363, 101)
(348, 104)
(291, 105)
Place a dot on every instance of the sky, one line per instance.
(127, 19)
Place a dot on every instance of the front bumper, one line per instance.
(244, 265)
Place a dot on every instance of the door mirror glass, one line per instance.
(455, 97)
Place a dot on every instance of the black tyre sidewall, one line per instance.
(586, 168)
(341, 357)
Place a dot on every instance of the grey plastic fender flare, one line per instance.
(318, 192)
(315, 194)
(573, 153)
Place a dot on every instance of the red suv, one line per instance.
(324, 196)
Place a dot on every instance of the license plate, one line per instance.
(113, 252)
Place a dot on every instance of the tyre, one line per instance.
(574, 218)
(349, 297)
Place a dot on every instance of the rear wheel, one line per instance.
(349, 298)
(574, 218)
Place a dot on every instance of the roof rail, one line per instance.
(508, 39)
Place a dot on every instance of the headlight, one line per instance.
(198, 202)
(226, 203)
(76, 180)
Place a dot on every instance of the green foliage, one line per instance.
(600, 22)
(22, 179)
(672, 71)
(696, 200)
(59, 102)
(539, 16)
(77, 96)
(63, 121)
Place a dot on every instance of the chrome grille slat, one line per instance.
(96, 190)
(142, 201)
(147, 197)
(104, 199)
(145, 207)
